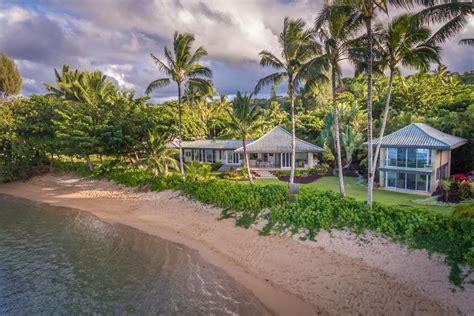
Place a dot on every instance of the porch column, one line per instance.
(310, 160)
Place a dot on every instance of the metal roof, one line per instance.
(278, 140)
(422, 136)
(229, 144)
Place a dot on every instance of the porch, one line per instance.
(276, 161)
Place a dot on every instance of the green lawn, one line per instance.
(359, 192)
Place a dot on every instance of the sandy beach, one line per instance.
(338, 274)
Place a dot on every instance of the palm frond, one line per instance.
(268, 59)
(448, 30)
(157, 84)
(273, 79)
(467, 42)
(163, 67)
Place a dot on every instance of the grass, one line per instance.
(359, 192)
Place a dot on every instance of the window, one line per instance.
(392, 157)
(253, 156)
(229, 157)
(401, 180)
(187, 153)
(411, 158)
(422, 158)
(411, 181)
(421, 182)
(401, 157)
(391, 179)
(286, 160)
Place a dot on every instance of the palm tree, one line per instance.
(244, 117)
(160, 159)
(336, 27)
(297, 48)
(182, 66)
(402, 42)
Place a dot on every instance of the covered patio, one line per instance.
(273, 151)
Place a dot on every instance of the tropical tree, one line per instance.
(159, 158)
(86, 98)
(10, 78)
(297, 48)
(244, 116)
(336, 27)
(403, 42)
(182, 66)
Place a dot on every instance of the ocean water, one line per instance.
(62, 261)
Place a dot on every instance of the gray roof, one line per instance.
(229, 144)
(422, 136)
(278, 140)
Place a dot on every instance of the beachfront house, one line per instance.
(416, 158)
(271, 151)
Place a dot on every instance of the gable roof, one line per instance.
(229, 144)
(420, 135)
(278, 140)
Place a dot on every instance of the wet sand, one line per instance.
(336, 275)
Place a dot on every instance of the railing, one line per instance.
(403, 164)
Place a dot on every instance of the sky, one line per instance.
(117, 37)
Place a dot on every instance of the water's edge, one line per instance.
(41, 206)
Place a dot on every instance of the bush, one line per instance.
(464, 211)
(216, 165)
(321, 169)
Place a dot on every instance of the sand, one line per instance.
(338, 274)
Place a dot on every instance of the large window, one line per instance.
(408, 157)
(409, 181)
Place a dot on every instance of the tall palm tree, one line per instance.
(403, 42)
(244, 117)
(182, 66)
(159, 158)
(297, 48)
(336, 27)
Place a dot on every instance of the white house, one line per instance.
(271, 151)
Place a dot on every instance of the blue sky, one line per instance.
(117, 37)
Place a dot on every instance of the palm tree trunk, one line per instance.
(293, 129)
(342, 191)
(246, 158)
(180, 134)
(368, 23)
(385, 117)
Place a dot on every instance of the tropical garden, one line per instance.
(85, 124)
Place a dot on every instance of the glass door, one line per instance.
(286, 160)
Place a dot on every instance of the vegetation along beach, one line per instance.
(244, 158)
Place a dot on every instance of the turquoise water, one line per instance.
(62, 261)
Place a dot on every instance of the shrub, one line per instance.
(216, 165)
(464, 211)
(321, 169)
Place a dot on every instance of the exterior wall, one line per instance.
(441, 159)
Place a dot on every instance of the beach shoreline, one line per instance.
(287, 275)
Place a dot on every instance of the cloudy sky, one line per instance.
(117, 37)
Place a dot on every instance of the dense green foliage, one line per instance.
(10, 78)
